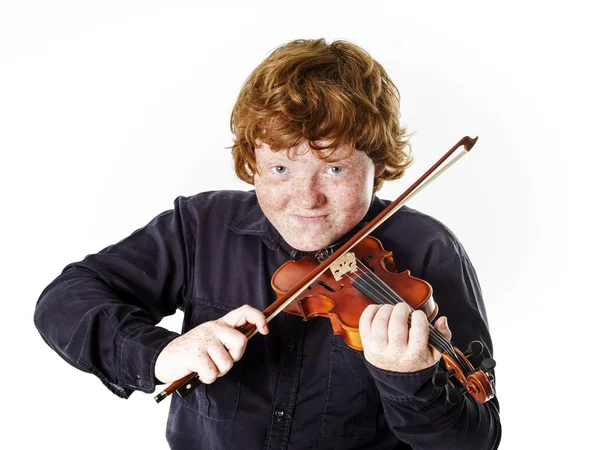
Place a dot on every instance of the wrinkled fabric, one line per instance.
(298, 387)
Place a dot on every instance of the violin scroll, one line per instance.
(477, 382)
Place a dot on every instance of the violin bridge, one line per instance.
(343, 265)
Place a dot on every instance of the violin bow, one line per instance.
(187, 384)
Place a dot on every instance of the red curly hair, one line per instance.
(308, 90)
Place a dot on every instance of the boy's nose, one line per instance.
(310, 194)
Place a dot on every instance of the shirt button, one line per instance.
(279, 414)
(291, 345)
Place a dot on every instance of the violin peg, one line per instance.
(488, 364)
(475, 349)
(440, 379)
(455, 395)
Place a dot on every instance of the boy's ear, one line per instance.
(379, 169)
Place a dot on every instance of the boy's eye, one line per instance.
(279, 169)
(336, 170)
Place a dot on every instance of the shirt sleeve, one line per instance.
(416, 410)
(100, 314)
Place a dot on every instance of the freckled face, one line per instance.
(312, 202)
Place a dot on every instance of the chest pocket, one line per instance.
(352, 400)
(219, 400)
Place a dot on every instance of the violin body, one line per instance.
(341, 301)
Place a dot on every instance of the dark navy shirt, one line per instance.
(298, 387)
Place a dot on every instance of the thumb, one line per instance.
(246, 314)
(442, 326)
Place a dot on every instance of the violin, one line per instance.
(367, 275)
(364, 276)
(340, 284)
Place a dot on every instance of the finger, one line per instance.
(246, 314)
(442, 326)
(398, 328)
(220, 358)
(206, 369)
(418, 336)
(364, 323)
(380, 324)
(233, 340)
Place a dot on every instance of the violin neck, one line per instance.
(384, 295)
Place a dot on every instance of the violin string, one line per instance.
(373, 281)
(435, 335)
(383, 294)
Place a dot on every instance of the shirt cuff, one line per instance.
(138, 352)
(406, 387)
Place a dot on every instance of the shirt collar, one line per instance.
(254, 222)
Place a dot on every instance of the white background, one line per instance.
(110, 110)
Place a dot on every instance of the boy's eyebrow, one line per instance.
(275, 157)
(281, 155)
